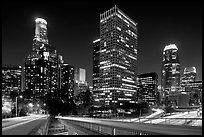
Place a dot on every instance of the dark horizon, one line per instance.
(72, 30)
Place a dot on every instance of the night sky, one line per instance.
(72, 27)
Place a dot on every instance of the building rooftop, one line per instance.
(170, 46)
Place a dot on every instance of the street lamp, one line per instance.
(17, 105)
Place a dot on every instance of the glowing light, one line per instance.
(127, 80)
(46, 55)
(171, 46)
(96, 40)
(132, 57)
(127, 17)
(189, 70)
(41, 21)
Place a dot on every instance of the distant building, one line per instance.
(80, 75)
(11, 80)
(115, 58)
(170, 79)
(67, 82)
(189, 75)
(80, 84)
(148, 87)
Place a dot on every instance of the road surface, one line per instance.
(22, 125)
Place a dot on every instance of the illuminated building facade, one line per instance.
(189, 75)
(80, 75)
(170, 79)
(67, 82)
(41, 66)
(11, 80)
(40, 38)
(96, 66)
(80, 84)
(117, 58)
(59, 65)
(148, 87)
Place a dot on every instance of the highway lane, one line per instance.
(11, 121)
(162, 129)
(172, 121)
(22, 126)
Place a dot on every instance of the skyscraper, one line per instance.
(96, 66)
(148, 87)
(117, 57)
(41, 66)
(40, 37)
(170, 69)
(67, 82)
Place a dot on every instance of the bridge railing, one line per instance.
(116, 129)
(109, 130)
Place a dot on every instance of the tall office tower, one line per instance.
(96, 78)
(170, 79)
(67, 82)
(189, 75)
(118, 57)
(29, 78)
(148, 87)
(41, 66)
(40, 38)
(11, 81)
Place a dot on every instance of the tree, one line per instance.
(84, 100)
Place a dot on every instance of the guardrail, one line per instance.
(109, 130)
(115, 129)
(41, 129)
(45, 129)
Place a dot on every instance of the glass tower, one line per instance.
(148, 87)
(117, 58)
(67, 82)
(41, 66)
(170, 69)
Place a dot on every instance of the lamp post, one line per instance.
(17, 105)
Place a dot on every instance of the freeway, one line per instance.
(22, 125)
(174, 119)
(151, 128)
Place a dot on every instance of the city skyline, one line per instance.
(73, 33)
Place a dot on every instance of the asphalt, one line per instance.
(23, 127)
